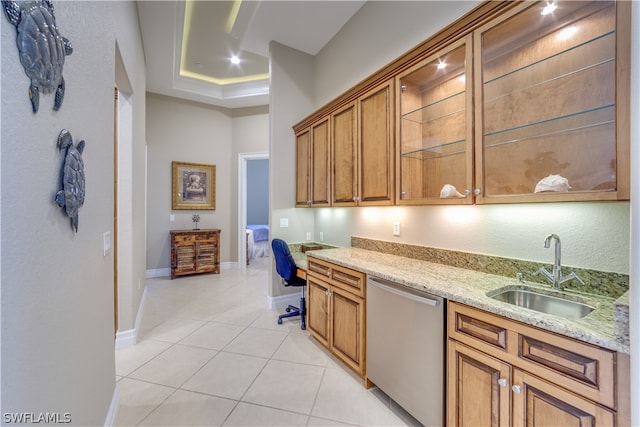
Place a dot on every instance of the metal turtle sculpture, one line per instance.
(70, 197)
(40, 46)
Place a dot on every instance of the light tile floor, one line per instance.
(211, 353)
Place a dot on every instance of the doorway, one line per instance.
(251, 197)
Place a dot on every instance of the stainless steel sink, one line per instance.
(544, 303)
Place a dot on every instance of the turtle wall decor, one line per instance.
(70, 195)
(41, 48)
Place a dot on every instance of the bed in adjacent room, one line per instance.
(257, 241)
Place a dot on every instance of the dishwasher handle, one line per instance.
(424, 300)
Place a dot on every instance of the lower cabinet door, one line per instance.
(478, 388)
(539, 403)
(347, 328)
(318, 309)
(185, 258)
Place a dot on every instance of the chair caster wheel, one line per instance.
(279, 321)
(303, 327)
(288, 310)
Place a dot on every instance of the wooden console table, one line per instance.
(195, 252)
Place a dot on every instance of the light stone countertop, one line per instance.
(471, 287)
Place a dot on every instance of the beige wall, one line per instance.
(593, 235)
(291, 98)
(378, 33)
(57, 287)
(186, 131)
(250, 134)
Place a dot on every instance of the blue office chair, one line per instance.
(286, 268)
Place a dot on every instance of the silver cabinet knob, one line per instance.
(503, 382)
(516, 389)
(467, 192)
(477, 191)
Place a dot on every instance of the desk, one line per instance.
(301, 262)
(300, 257)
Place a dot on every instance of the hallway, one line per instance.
(211, 353)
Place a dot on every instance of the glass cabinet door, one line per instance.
(546, 105)
(435, 129)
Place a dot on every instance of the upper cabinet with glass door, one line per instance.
(551, 104)
(435, 128)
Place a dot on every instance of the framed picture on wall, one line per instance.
(194, 186)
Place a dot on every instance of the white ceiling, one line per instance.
(199, 69)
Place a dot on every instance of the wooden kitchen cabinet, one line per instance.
(303, 168)
(475, 397)
(504, 373)
(336, 311)
(376, 148)
(344, 156)
(552, 103)
(194, 252)
(533, 108)
(313, 173)
(435, 128)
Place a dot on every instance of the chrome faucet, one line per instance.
(556, 278)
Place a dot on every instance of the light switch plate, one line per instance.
(308, 235)
(106, 243)
(284, 222)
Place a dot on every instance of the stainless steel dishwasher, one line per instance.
(405, 347)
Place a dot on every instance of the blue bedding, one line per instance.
(260, 232)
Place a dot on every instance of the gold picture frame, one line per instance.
(194, 186)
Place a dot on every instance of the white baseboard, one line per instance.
(228, 265)
(166, 272)
(158, 272)
(129, 337)
(112, 415)
(280, 302)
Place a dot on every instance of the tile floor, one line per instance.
(210, 353)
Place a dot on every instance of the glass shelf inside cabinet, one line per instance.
(448, 106)
(556, 128)
(442, 150)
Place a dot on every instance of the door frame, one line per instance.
(243, 158)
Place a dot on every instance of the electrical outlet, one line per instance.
(396, 228)
(321, 236)
(172, 217)
(308, 235)
(284, 222)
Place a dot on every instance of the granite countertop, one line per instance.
(601, 327)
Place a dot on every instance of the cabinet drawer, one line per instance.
(340, 277)
(477, 328)
(319, 267)
(347, 279)
(180, 238)
(580, 367)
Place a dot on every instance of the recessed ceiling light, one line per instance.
(234, 59)
(550, 7)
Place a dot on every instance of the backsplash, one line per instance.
(596, 282)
